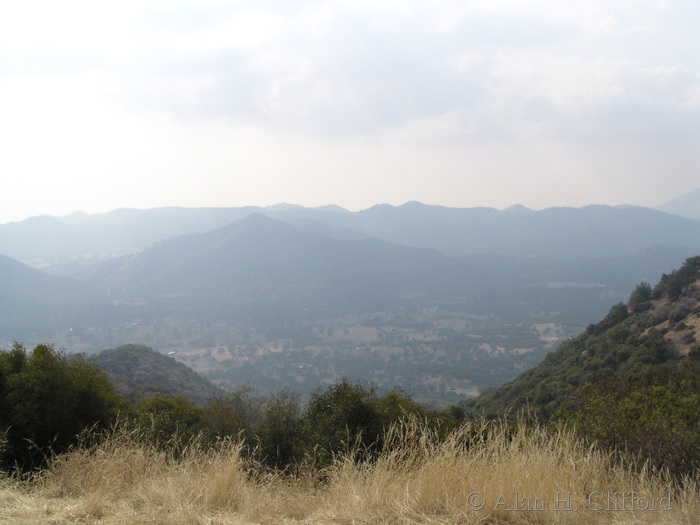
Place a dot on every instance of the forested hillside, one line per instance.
(137, 372)
(628, 383)
(655, 331)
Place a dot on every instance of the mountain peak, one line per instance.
(333, 208)
(517, 208)
(259, 220)
(283, 206)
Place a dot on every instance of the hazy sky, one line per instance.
(144, 103)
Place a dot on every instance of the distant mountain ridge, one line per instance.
(269, 260)
(687, 205)
(592, 231)
(324, 258)
(32, 299)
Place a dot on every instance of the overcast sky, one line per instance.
(145, 103)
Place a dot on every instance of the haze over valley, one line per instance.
(443, 302)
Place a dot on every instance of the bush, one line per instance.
(616, 315)
(675, 283)
(347, 417)
(233, 413)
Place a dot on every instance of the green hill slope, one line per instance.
(653, 334)
(137, 372)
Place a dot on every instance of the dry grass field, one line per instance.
(482, 473)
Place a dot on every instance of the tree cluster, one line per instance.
(50, 400)
(47, 399)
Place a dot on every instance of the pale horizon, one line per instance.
(160, 103)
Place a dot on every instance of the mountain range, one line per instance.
(296, 296)
(262, 259)
(592, 231)
(288, 268)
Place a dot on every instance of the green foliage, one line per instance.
(397, 404)
(47, 399)
(233, 413)
(280, 433)
(658, 423)
(674, 284)
(616, 315)
(4, 447)
(350, 416)
(640, 298)
(170, 420)
(341, 416)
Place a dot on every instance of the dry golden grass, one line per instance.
(418, 479)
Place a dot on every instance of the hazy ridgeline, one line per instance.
(445, 302)
(481, 472)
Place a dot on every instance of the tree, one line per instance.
(232, 413)
(640, 299)
(675, 283)
(342, 415)
(171, 421)
(347, 415)
(616, 315)
(47, 399)
(280, 432)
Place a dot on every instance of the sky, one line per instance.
(148, 103)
